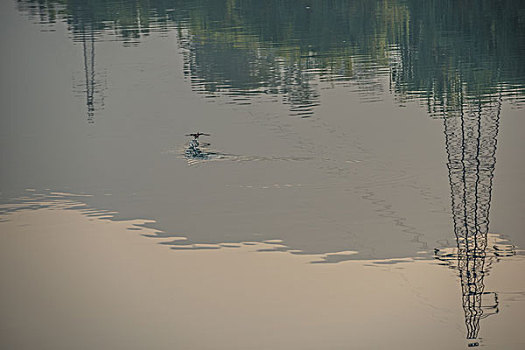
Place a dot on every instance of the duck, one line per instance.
(197, 135)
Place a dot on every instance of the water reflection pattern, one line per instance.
(460, 60)
(197, 152)
(288, 51)
(471, 139)
(88, 45)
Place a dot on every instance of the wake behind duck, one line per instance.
(197, 152)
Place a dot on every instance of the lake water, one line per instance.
(360, 185)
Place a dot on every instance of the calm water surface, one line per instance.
(342, 133)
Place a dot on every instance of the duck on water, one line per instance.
(193, 150)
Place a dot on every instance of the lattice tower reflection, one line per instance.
(471, 131)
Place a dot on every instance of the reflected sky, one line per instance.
(221, 298)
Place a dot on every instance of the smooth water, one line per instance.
(373, 132)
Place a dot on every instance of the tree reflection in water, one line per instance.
(244, 49)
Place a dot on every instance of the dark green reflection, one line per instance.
(430, 50)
